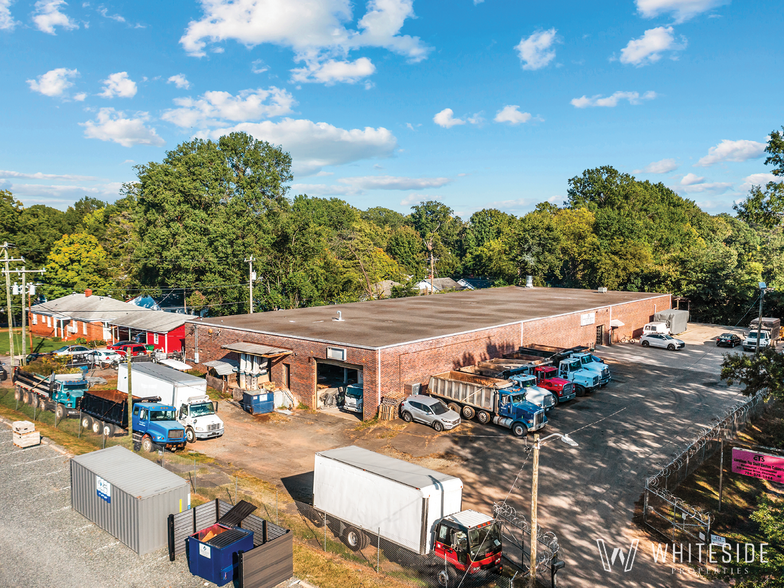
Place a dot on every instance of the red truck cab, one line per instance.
(470, 541)
(547, 378)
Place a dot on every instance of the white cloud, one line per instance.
(221, 108)
(760, 179)
(120, 85)
(105, 13)
(7, 22)
(536, 51)
(314, 29)
(47, 16)
(741, 150)
(649, 48)
(180, 81)
(446, 119)
(314, 146)
(320, 189)
(330, 71)
(512, 115)
(41, 176)
(690, 179)
(413, 199)
(54, 82)
(56, 194)
(258, 67)
(662, 166)
(361, 183)
(111, 125)
(612, 101)
(682, 10)
(80, 96)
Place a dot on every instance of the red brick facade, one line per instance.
(70, 331)
(386, 371)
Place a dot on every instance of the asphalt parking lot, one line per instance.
(44, 543)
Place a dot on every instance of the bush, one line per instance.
(81, 341)
(50, 364)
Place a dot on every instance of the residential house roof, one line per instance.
(439, 284)
(88, 309)
(156, 321)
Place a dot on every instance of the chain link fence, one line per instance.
(670, 515)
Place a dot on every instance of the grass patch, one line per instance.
(46, 344)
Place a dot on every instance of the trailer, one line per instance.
(61, 392)
(154, 424)
(363, 493)
(489, 400)
(772, 325)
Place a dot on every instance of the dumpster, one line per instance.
(258, 402)
(213, 553)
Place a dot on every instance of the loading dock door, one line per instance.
(332, 377)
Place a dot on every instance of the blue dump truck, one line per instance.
(154, 424)
(61, 392)
(490, 400)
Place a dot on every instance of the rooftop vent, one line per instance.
(339, 317)
(88, 293)
(529, 281)
(602, 290)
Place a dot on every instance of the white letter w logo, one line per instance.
(628, 559)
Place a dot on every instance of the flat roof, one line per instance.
(164, 373)
(377, 324)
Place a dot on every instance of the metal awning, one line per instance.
(177, 365)
(615, 323)
(223, 367)
(256, 349)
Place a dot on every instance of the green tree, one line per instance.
(775, 151)
(406, 246)
(40, 227)
(10, 211)
(77, 262)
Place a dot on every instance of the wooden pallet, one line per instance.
(27, 439)
(387, 412)
(23, 427)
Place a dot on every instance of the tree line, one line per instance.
(189, 223)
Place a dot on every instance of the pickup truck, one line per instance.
(750, 342)
(63, 392)
(154, 424)
(490, 400)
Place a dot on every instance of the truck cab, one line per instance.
(353, 399)
(516, 413)
(68, 389)
(198, 416)
(583, 380)
(750, 342)
(157, 425)
(533, 393)
(547, 378)
(470, 541)
(592, 363)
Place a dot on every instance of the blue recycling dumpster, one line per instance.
(213, 553)
(258, 402)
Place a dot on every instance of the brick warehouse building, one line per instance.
(389, 344)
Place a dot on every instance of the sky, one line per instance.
(474, 103)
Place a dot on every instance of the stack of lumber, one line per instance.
(387, 411)
(25, 434)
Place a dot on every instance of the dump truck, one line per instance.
(583, 380)
(542, 398)
(505, 368)
(547, 378)
(367, 495)
(489, 400)
(154, 424)
(187, 393)
(593, 363)
(61, 392)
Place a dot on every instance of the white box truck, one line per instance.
(186, 393)
(364, 493)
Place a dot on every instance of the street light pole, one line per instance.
(534, 501)
(762, 287)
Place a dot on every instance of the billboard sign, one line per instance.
(758, 465)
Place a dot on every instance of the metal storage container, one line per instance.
(213, 552)
(128, 496)
(258, 403)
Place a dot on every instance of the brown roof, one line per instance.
(383, 323)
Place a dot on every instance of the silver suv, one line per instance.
(430, 411)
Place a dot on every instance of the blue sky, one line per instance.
(390, 102)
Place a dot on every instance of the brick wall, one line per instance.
(94, 331)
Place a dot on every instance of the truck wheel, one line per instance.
(468, 412)
(445, 577)
(579, 390)
(59, 411)
(557, 399)
(519, 430)
(147, 445)
(25, 397)
(645, 344)
(97, 427)
(454, 407)
(406, 416)
(41, 403)
(108, 430)
(86, 422)
(355, 539)
(484, 417)
(190, 435)
(438, 426)
(17, 393)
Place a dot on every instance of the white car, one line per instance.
(664, 341)
(105, 357)
(72, 350)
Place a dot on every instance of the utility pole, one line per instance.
(429, 245)
(130, 396)
(534, 527)
(24, 271)
(762, 287)
(6, 260)
(251, 277)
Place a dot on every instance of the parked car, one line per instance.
(660, 328)
(3, 372)
(119, 345)
(105, 357)
(728, 340)
(33, 356)
(430, 411)
(664, 341)
(133, 349)
(72, 350)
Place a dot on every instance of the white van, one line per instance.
(656, 328)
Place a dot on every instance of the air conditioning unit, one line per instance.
(602, 290)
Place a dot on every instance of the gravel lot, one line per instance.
(45, 543)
